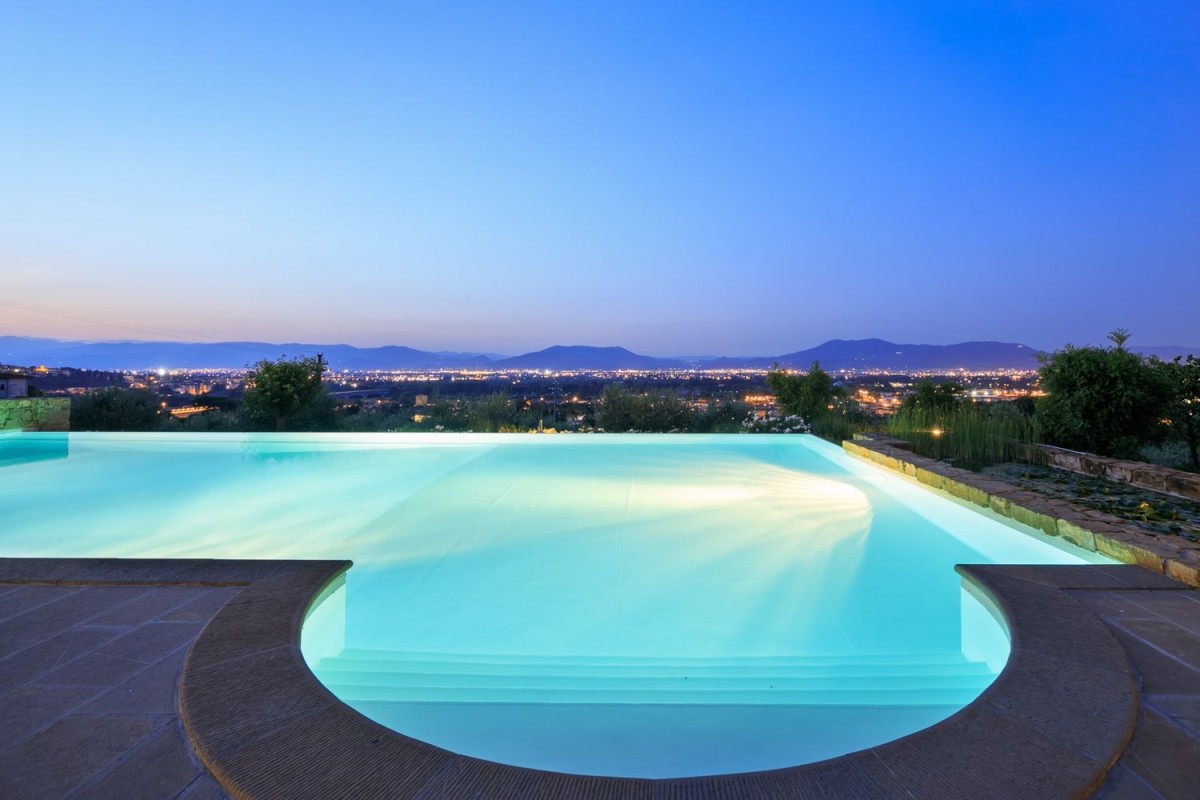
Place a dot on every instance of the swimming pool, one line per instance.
(622, 605)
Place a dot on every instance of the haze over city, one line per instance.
(675, 178)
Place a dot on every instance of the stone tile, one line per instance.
(92, 669)
(152, 605)
(32, 662)
(20, 599)
(374, 762)
(157, 768)
(1082, 707)
(992, 756)
(72, 609)
(843, 778)
(1182, 709)
(468, 777)
(1124, 784)
(67, 753)
(1159, 672)
(27, 709)
(151, 641)
(204, 788)
(151, 691)
(1165, 757)
(1181, 608)
(1114, 605)
(245, 629)
(204, 606)
(1168, 637)
(246, 699)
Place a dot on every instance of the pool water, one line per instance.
(613, 604)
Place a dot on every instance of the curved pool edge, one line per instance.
(1053, 723)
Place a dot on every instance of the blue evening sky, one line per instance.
(676, 177)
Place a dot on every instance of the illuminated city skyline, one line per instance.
(675, 178)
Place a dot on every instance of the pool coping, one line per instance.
(1052, 725)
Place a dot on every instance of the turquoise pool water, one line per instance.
(619, 605)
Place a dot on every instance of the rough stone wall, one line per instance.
(1136, 473)
(35, 414)
(1092, 530)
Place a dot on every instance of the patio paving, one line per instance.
(172, 679)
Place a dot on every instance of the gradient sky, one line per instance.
(674, 177)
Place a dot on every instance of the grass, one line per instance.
(971, 435)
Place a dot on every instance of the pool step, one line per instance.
(944, 678)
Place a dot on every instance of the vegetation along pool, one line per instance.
(631, 605)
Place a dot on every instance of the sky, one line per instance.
(679, 178)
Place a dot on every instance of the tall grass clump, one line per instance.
(971, 435)
(840, 425)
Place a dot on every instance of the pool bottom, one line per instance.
(654, 716)
(652, 741)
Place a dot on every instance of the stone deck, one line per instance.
(184, 679)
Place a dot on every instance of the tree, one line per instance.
(1107, 401)
(619, 410)
(280, 390)
(1183, 407)
(930, 396)
(116, 409)
(808, 395)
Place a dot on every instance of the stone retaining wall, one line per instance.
(1092, 530)
(1136, 473)
(35, 414)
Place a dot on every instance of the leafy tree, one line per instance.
(1102, 400)
(809, 395)
(495, 412)
(722, 417)
(930, 396)
(619, 410)
(116, 409)
(280, 390)
(1183, 407)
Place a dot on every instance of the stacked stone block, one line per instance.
(35, 414)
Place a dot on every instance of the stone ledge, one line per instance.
(1084, 528)
(1136, 473)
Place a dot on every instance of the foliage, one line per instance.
(1183, 407)
(1107, 401)
(116, 409)
(934, 397)
(841, 422)
(223, 421)
(620, 410)
(809, 395)
(727, 417)
(971, 434)
(279, 390)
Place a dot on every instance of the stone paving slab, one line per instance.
(89, 678)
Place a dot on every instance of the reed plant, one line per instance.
(972, 435)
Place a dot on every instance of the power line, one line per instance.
(98, 320)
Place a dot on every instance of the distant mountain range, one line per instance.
(836, 354)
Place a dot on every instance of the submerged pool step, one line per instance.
(949, 678)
